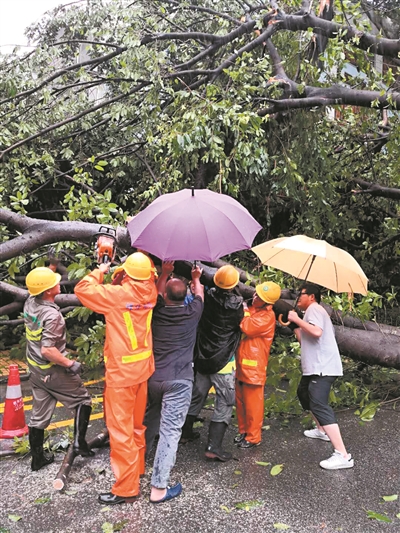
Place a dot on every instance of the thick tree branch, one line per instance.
(42, 232)
(362, 40)
(308, 97)
(374, 189)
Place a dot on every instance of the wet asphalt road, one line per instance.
(302, 497)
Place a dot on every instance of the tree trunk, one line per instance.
(368, 342)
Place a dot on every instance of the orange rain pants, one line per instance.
(250, 410)
(125, 407)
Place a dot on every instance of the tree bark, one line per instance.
(368, 341)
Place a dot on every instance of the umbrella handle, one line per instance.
(282, 322)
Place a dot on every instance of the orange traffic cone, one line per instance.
(14, 417)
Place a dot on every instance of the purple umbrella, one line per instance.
(193, 225)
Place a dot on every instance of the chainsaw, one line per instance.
(105, 246)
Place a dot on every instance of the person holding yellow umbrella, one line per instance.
(316, 261)
(321, 365)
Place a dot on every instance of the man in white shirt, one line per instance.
(321, 365)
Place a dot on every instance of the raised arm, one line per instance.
(167, 268)
(198, 288)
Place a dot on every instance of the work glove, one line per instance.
(76, 368)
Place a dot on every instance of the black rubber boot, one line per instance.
(214, 450)
(188, 434)
(39, 457)
(80, 427)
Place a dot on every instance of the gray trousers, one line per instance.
(224, 385)
(55, 384)
(168, 404)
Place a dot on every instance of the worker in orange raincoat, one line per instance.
(128, 356)
(258, 328)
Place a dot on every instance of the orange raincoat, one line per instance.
(128, 356)
(258, 327)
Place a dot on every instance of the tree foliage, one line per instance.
(288, 106)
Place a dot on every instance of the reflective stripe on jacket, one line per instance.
(44, 327)
(128, 309)
(252, 356)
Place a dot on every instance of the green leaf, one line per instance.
(40, 501)
(238, 472)
(119, 526)
(265, 428)
(262, 463)
(246, 506)
(102, 163)
(275, 470)
(4, 530)
(225, 508)
(14, 517)
(98, 167)
(391, 498)
(280, 525)
(376, 516)
(107, 527)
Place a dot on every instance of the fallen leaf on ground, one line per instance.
(14, 517)
(40, 501)
(376, 516)
(275, 470)
(391, 498)
(119, 526)
(225, 508)
(246, 506)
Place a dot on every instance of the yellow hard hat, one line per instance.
(226, 277)
(41, 279)
(138, 266)
(269, 292)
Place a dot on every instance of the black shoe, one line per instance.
(189, 438)
(38, 461)
(81, 422)
(108, 498)
(214, 449)
(188, 435)
(246, 444)
(40, 458)
(239, 438)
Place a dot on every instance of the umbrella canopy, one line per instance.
(315, 261)
(193, 225)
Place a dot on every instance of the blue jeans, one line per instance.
(168, 404)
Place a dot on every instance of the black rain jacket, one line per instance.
(219, 332)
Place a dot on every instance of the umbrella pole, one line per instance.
(305, 279)
(298, 296)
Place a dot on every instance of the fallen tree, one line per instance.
(364, 341)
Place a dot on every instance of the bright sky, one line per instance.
(17, 15)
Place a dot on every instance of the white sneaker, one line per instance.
(316, 434)
(336, 461)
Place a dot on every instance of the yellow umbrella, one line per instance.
(315, 261)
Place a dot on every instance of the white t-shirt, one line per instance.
(320, 355)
